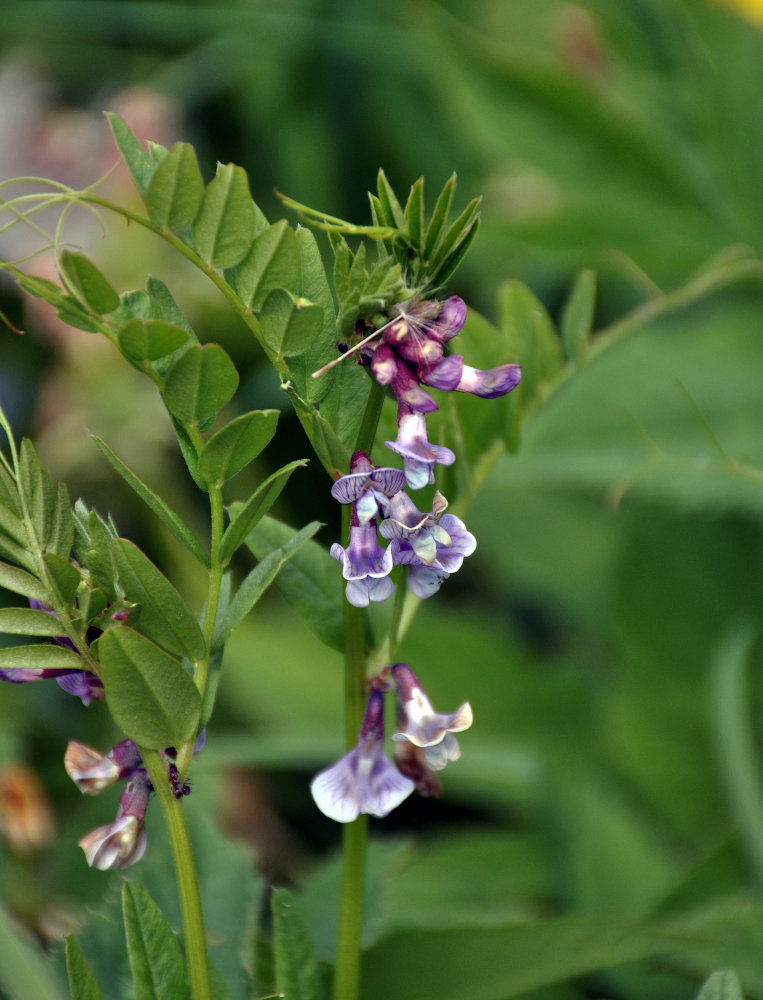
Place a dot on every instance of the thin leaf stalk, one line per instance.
(194, 934)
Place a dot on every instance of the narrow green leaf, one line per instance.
(21, 582)
(290, 325)
(439, 219)
(393, 213)
(244, 516)
(161, 509)
(456, 233)
(156, 958)
(201, 381)
(259, 579)
(721, 985)
(272, 262)
(149, 340)
(577, 316)
(414, 214)
(28, 621)
(452, 261)
(87, 283)
(224, 228)
(176, 189)
(61, 535)
(311, 581)
(64, 575)
(98, 559)
(82, 983)
(236, 444)
(735, 738)
(314, 285)
(42, 288)
(140, 165)
(45, 656)
(151, 697)
(297, 976)
(164, 615)
(37, 489)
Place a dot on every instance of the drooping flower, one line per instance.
(92, 771)
(419, 456)
(421, 725)
(452, 544)
(365, 566)
(411, 761)
(368, 487)
(363, 780)
(420, 531)
(123, 842)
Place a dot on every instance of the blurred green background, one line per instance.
(602, 834)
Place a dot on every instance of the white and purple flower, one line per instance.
(363, 780)
(422, 726)
(419, 456)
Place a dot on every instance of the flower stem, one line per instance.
(197, 959)
(354, 835)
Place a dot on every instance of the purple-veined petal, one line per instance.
(490, 383)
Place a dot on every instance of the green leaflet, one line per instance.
(82, 983)
(85, 281)
(200, 382)
(259, 579)
(272, 262)
(176, 189)
(156, 958)
(150, 695)
(224, 228)
(164, 615)
(236, 444)
(296, 969)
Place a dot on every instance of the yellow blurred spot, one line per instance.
(26, 818)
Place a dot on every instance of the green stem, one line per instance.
(197, 959)
(354, 835)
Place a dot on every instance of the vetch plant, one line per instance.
(356, 352)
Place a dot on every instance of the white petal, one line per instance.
(335, 790)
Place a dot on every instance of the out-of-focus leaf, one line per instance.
(87, 283)
(578, 315)
(25, 970)
(236, 444)
(290, 326)
(160, 508)
(150, 695)
(164, 615)
(259, 579)
(176, 189)
(200, 382)
(156, 958)
(526, 324)
(148, 340)
(311, 581)
(721, 985)
(272, 262)
(82, 983)
(224, 227)
(296, 968)
(244, 516)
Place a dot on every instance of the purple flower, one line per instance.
(419, 723)
(411, 761)
(425, 579)
(420, 531)
(409, 354)
(364, 780)
(123, 842)
(92, 771)
(367, 486)
(365, 565)
(419, 456)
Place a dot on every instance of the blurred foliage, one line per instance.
(597, 838)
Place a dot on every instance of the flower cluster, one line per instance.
(406, 355)
(365, 780)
